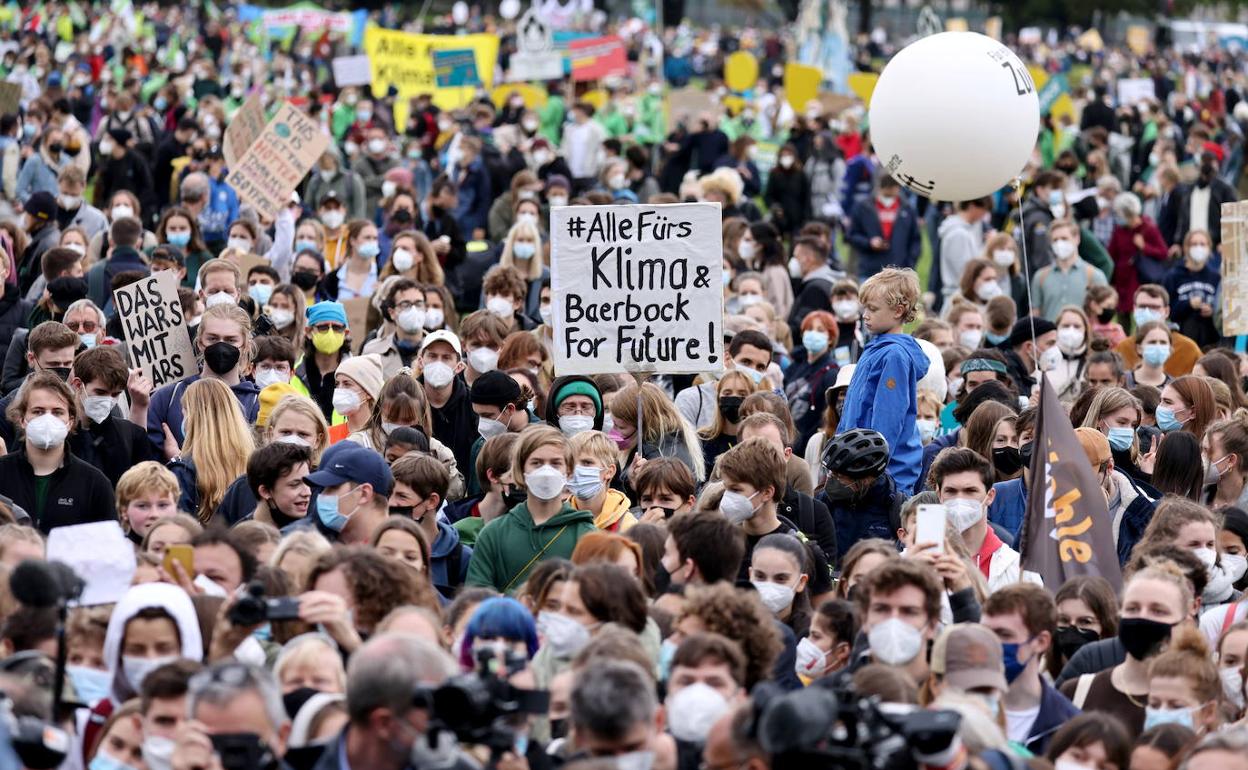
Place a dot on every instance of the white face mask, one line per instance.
(572, 424)
(795, 268)
(895, 642)
(565, 636)
(745, 249)
(122, 210)
(412, 319)
(402, 260)
(964, 513)
(775, 597)
(270, 376)
(98, 408)
(988, 291)
(1063, 249)
(692, 711)
(811, 661)
(136, 669)
(845, 309)
(438, 374)
(332, 219)
(239, 244)
(1050, 358)
(219, 298)
(736, 507)
(434, 318)
(1003, 257)
(280, 318)
(345, 401)
(158, 752)
(1232, 685)
(488, 428)
(1070, 338)
(546, 313)
(971, 338)
(46, 431)
(500, 306)
(1199, 254)
(483, 360)
(546, 483)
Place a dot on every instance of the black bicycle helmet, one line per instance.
(856, 453)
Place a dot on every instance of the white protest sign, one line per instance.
(1134, 90)
(637, 288)
(155, 330)
(100, 554)
(278, 160)
(535, 57)
(352, 71)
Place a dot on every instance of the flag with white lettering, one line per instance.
(1067, 531)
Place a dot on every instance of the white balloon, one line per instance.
(459, 12)
(509, 9)
(955, 116)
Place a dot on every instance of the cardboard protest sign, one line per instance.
(10, 97)
(245, 126)
(1133, 90)
(455, 68)
(352, 71)
(637, 288)
(100, 554)
(278, 160)
(357, 320)
(598, 57)
(536, 57)
(156, 336)
(1234, 268)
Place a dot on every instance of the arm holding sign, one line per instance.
(282, 255)
(139, 389)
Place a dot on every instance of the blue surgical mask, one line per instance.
(1156, 355)
(667, 653)
(815, 342)
(179, 239)
(303, 246)
(1143, 315)
(1183, 716)
(586, 482)
(260, 292)
(1120, 439)
(369, 249)
(1013, 666)
(753, 374)
(995, 339)
(327, 508)
(524, 250)
(91, 684)
(1166, 420)
(103, 761)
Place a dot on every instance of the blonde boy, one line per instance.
(882, 397)
(595, 459)
(145, 493)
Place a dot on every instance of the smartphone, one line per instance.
(929, 526)
(182, 553)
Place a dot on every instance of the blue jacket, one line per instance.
(856, 186)
(221, 211)
(443, 555)
(930, 451)
(1136, 516)
(36, 176)
(166, 408)
(1055, 711)
(881, 397)
(904, 244)
(474, 199)
(1009, 507)
(876, 514)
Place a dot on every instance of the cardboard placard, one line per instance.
(245, 126)
(352, 71)
(357, 320)
(155, 331)
(1134, 90)
(278, 160)
(637, 288)
(1234, 288)
(10, 97)
(689, 102)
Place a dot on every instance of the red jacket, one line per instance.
(1132, 264)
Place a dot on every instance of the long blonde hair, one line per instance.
(508, 257)
(1110, 400)
(307, 408)
(218, 441)
(730, 379)
(660, 420)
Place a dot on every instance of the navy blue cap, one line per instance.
(349, 461)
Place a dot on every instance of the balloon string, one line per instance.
(1018, 185)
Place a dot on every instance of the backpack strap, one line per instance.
(1081, 690)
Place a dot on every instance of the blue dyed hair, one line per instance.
(499, 617)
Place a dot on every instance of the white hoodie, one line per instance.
(164, 596)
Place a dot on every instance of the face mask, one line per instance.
(1007, 460)
(1234, 565)
(98, 408)
(565, 635)
(1069, 338)
(500, 306)
(333, 219)
(1232, 685)
(239, 244)
(304, 279)
(280, 318)
(523, 250)
(1070, 639)
(927, 430)
(122, 211)
(1106, 315)
(135, 670)
(1063, 249)
(546, 483)
(541, 158)
(369, 249)
(219, 298)
(103, 761)
(69, 202)
(345, 401)
(1141, 636)
(572, 424)
(221, 357)
(693, 710)
(971, 338)
(795, 268)
(438, 374)
(91, 684)
(1207, 556)
(158, 752)
(483, 360)
(1156, 355)
(558, 200)
(730, 408)
(845, 309)
(267, 377)
(328, 342)
(736, 507)
(411, 320)
(46, 431)
(775, 597)
(77, 248)
(488, 428)
(753, 374)
(178, 239)
(786, 161)
(964, 513)
(1013, 666)
(328, 509)
(1003, 257)
(1049, 359)
(1058, 210)
(1198, 254)
(888, 200)
(545, 312)
(1183, 716)
(375, 146)
(811, 661)
(260, 292)
(988, 291)
(895, 642)
(1166, 420)
(617, 181)
(586, 482)
(995, 339)
(839, 492)
(1143, 315)
(635, 760)
(1120, 439)
(815, 341)
(749, 300)
(746, 250)
(390, 427)
(434, 318)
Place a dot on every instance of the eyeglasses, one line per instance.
(328, 327)
(82, 327)
(574, 410)
(408, 305)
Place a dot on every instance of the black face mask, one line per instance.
(243, 751)
(1007, 460)
(303, 279)
(558, 728)
(280, 519)
(730, 407)
(513, 496)
(60, 371)
(294, 700)
(1141, 637)
(1024, 453)
(839, 492)
(221, 357)
(305, 757)
(402, 510)
(402, 216)
(1070, 639)
(56, 148)
(437, 211)
(1107, 314)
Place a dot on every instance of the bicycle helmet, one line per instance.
(856, 453)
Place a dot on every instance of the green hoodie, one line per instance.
(509, 547)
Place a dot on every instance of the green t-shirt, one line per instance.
(41, 495)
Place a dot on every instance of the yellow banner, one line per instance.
(405, 61)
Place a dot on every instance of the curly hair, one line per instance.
(740, 616)
(378, 584)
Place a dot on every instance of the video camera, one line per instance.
(483, 708)
(829, 725)
(253, 608)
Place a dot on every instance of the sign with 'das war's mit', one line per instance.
(637, 288)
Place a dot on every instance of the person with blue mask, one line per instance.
(1153, 340)
(1151, 302)
(1186, 404)
(1184, 687)
(352, 493)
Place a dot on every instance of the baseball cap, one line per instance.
(968, 655)
(442, 335)
(1095, 445)
(356, 463)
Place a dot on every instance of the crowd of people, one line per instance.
(334, 521)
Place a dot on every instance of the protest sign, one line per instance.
(1139, 40)
(862, 85)
(10, 97)
(455, 68)
(245, 126)
(357, 320)
(536, 57)
(100, 554)
(741, 71)
(598, 57)
(1134, 90)
(154, 328)
(352, 71)
(278, 160)
(801, 84)
(405, 61)
(1235, 268)
(637, 288)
